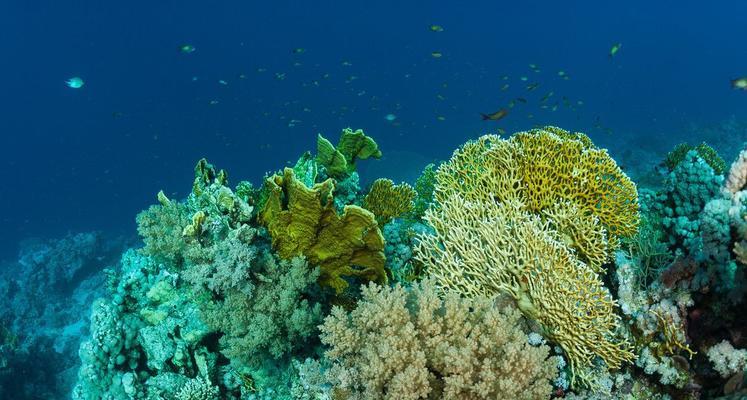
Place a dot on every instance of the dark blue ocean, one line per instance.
(91, 158)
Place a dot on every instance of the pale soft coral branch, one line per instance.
(737, 177)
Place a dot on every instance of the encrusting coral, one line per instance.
(303, 221)
(400, 344)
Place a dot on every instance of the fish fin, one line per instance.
(485, 117)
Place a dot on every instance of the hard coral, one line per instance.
(542, 168)
(489, 249)
(303, 221)
(412, 345)
(387, 200)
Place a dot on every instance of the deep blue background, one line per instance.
(92, 158)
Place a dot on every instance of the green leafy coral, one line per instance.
(340, 161)
(303, 221)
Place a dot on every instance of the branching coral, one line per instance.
(541, 169)
(400, 345)
(487, 249)
(303, 221)
(388, 201)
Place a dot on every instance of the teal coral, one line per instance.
(704, 151)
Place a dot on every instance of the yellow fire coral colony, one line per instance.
(524, 216)
(303, 221)
(387, 200)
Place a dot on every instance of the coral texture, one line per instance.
(412, 345)
(353, 146)
(388, 201)
(303, 221)
(488, 249)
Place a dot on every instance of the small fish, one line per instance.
(739, 83)
(532, 86)
(440, 97)
(534, 67)
(346, 64)
(436, 28)
(441, 118)
(222, 82)
(504, 87)
(436, 54)
(299, 50)
(187, 48)
(261, 69)
(511, 104)
(521, 100)
(615, 48)
(75, 82)
(546, 97)
(390, 117)
(554, 107)
(495, 116)
(213, 102)
(242, 76)
(563, 75)
(280, 76)
(524, 79)
(501, 131)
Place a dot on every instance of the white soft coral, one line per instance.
(726, 359)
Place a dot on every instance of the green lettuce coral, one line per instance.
(303, 221)
(353, 146)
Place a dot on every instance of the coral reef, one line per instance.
(41, 295)
(536, 216)
(520, 255)
(528, 267)
(400, 344)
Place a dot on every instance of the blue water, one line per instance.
(91, 158)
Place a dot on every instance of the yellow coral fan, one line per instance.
(543, 168)
(387, 200)
(399, 344)
(303, 221)
(491, 248)
(582, 233)
(554, 169)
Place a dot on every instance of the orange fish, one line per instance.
(495, 116)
